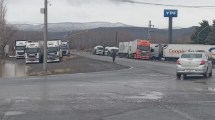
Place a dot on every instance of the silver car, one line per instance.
(194, 63)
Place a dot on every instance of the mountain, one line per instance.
(67, 26)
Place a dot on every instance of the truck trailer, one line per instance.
(174, 51)
(123, 49)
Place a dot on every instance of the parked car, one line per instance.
(194, 63)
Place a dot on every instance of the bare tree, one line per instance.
(5, 31)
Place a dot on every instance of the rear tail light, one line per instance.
(178, 62)
(202, 62)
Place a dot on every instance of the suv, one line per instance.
(194, 63)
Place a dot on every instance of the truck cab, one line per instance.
(33, 53)
(53, 51)
(139, 49)
(65, 48)
(156, 51)
(20, 46)
(98, 50)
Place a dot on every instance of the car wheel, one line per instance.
(178, 76)
(210, 74)
(206, 74)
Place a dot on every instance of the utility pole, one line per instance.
(150, 30)
(116, 38)
(45, 35)
(200, 32)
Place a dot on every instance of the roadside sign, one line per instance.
(170, 13)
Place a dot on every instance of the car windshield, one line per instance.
(32, 50)
(143, 48)
(20, 47)
(52, 49)
(191, 56)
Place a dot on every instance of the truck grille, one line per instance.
(64, 52)
(20, 53)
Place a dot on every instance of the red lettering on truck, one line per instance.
(171, 51)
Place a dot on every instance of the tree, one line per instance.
(210, 40)
(5, 31)
(201, 33)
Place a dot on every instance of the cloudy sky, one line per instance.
(132, 12)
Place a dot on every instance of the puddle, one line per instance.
(12, 70)
(151, 96)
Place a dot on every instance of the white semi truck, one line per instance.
(34, 52)
(53, 52)
(65, 48)
(156, 51)
(98, 50)
(20, 46)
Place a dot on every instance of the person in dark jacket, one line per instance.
(114, 55)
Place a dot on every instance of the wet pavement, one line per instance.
(146, 91)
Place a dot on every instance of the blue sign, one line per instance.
(170, 13)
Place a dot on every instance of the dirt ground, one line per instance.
(73, 64)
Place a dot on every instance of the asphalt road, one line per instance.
(148, 90)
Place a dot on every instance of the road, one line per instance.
(148, 90)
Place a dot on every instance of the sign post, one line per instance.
(170, 13)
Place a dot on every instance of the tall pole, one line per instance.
(45, 35)
(116, 38)
(200, 32)
(149, 29)
(170, 30)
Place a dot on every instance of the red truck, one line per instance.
(139, 49)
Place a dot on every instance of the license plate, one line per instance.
(189, 70)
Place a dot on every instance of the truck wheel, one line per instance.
(178, 76)
(153, 58)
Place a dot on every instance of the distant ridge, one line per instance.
(68, 26)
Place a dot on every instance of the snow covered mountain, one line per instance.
(67, 26)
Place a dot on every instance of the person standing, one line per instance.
(114, 55)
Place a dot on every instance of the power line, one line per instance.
(167, 5)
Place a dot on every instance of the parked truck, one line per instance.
(139, 49)
(98, 50)
(174, 51)
(110, 50)
(65, 48)
(34, 52)
(20, 46)
(53, 51)
(156, 51)
(123, 49)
